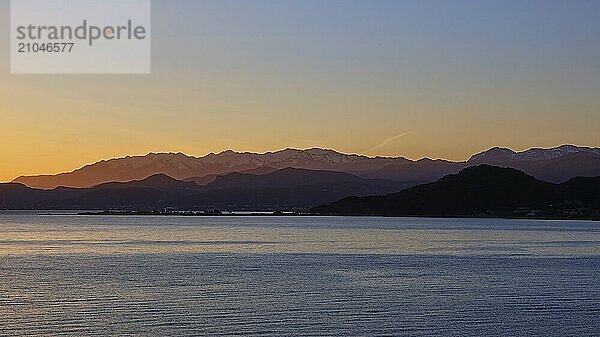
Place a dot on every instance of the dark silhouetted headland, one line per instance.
(482, 191)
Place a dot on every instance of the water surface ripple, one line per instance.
(153, 276)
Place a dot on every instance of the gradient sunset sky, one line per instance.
(440, 79)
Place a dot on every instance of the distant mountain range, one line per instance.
(482, 191)
(477, 191)
(552, 165)
(282, 189)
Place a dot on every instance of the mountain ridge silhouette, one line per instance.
(555, 165)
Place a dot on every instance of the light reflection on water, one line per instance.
(182, 276)
(29, 234)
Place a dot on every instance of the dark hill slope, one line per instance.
(286, 188)
(480, 191)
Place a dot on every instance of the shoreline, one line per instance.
(279, 214)
(296, 214)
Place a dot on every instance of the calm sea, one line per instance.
(64, 275)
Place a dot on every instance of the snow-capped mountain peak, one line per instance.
(498, 154)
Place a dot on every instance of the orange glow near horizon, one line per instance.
(403, 80)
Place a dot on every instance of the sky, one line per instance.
(422, 78)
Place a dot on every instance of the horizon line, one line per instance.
(296, 149)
